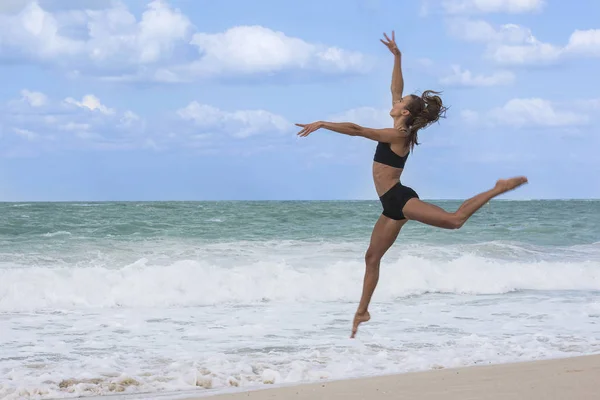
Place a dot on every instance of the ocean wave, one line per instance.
(57, 233)
(193, 283)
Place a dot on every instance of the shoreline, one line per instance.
(574, 377)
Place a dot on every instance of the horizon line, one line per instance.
(280, 200)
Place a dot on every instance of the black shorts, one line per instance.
(394, 200)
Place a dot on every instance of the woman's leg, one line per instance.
(430, 214)
(383, 237)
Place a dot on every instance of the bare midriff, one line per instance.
(385, 177)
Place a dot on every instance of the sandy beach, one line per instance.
(576, 378)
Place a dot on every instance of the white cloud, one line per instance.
(115, 39)
(73, 126)
(425, 62)
(240, 124)
(365, 116)
(256, 49)
(129, 118)
(492, 6)
(116, 35)
(71, 123)
(585, 42)
(112, 43)
(27, 134)
(34, 99)
(470, 117)
(14, 6)
(461, 77)
(528, 54)
(476, 30)
(594, 103)
(35, 33)
(512, 44)
(90, 102)
(89, 123)
(527, 112)
(80, 130)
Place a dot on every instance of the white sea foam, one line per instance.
(155, 316)
(70, 354)
(196, 283)
(58, 233)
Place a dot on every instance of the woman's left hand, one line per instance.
(391, 44)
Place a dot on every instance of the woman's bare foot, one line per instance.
(359, 319)
(506, 185)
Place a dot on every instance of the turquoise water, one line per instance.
(535, 222)
(204, 296)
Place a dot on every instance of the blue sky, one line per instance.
(196, 100)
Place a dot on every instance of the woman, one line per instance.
(400, 203)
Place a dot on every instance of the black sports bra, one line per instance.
(385, 155)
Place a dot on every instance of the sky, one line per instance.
(106, 100)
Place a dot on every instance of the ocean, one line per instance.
(195, 298)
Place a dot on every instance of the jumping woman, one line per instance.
(400, 203)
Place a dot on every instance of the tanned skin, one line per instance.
(386, 230)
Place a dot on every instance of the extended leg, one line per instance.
(430, 214)
(383, 237)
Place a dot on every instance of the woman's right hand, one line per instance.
(307, 129)
(391, 43)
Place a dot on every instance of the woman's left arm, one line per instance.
(397, 86)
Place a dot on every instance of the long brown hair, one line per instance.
(424, 111)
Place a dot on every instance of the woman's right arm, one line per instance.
(386, 135)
